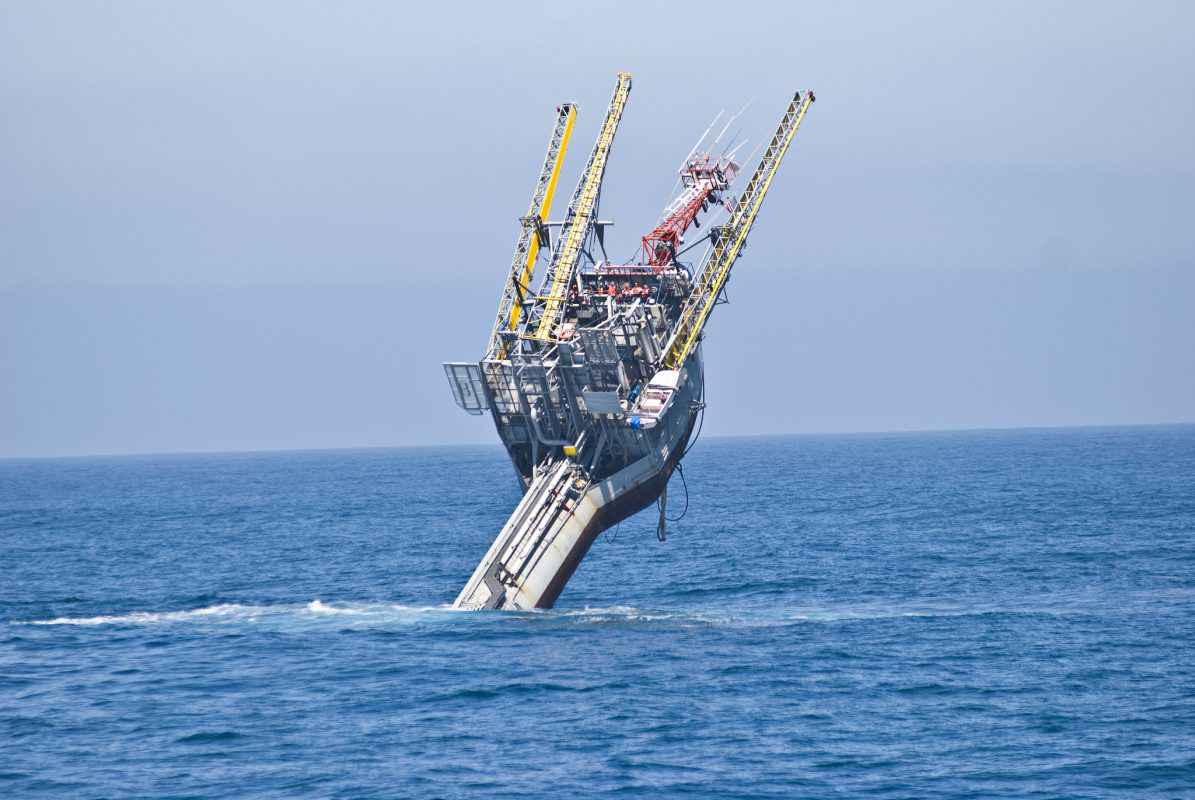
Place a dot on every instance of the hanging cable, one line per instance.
(681, 469)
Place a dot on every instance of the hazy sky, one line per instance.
(264, 225)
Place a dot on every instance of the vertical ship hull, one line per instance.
(595, 380)
(565, 509)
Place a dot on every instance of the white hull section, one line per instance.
(562, 513)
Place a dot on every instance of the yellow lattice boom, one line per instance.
(522, 268)
(728, 245)
(580, 216)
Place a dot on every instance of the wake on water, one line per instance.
(234, 613)
(318, 613)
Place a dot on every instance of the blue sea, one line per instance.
(940, 615)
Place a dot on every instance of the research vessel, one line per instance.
(594, 380)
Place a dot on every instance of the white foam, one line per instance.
(318, 613)
(632, 614)
(232, 613)
(228, 610)
(317, 607)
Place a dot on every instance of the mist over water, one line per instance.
(931, 615)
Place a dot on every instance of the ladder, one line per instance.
(522, 265)
(525, 539)
(579, 221)
(731, 237)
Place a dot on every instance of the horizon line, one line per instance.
(498, 444)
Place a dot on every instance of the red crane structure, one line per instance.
(704, 178)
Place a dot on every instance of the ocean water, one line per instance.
(955, 615)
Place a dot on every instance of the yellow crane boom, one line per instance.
(522, 266)
(580, 217)
(732, 236)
